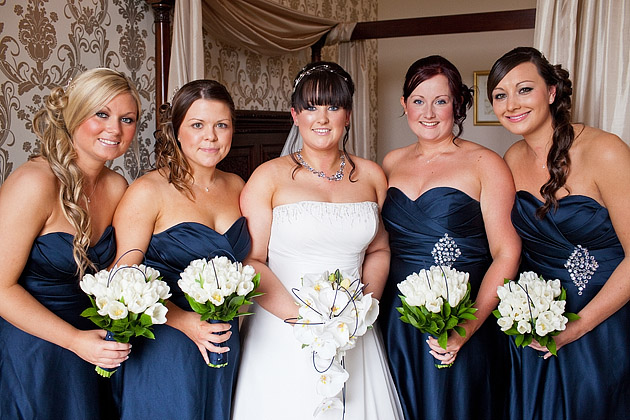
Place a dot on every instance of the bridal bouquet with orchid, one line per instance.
(126, 302)
(533, 308)
(333, 314)
(436, 301)
(216, 289)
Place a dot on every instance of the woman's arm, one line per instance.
(256, 205)
(496, 200)
(377, 256)
(19, 227)
(610, 162)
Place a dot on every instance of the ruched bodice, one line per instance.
(590, 378)
(312, 237)
(580, 223)
(171, 366)
(442, 226)
(39, 379)
(171, 250)
(416, 226)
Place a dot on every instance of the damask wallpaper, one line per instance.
(44, 43)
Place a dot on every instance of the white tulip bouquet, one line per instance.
(333, 314)
(216, 289)
(436, 301)
(533, 308)
(126, 302)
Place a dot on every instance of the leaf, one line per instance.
(519, 340)
(528, 340)
(460, 330)
(446, 309)
(442, 340)
(468, 316)
(571, 316)
(90, 312)
(563, 294)
(452, 322)
(551, 346)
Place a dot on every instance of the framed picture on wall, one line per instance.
(482, 109)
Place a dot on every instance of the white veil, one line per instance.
(293, 142)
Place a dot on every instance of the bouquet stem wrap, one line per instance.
(107, 372)
(218, 360)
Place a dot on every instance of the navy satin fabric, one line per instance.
(590, 378)
(167, 378)
(475, 386)
(39, 379)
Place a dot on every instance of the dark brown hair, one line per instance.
(428, 67)
(169, 158)
(323, 83)
(558, 161)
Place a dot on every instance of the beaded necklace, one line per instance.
(338, 176)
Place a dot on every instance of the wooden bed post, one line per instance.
(162, 10)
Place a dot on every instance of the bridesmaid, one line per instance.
(185, 210)
(447, 192)
(55, 217)
(572, 212)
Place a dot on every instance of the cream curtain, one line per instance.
(186, 47)
(591, 39)
(263, 27)
(270, 29)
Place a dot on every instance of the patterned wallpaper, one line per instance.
(44, 43)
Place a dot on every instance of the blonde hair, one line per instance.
(55, 125)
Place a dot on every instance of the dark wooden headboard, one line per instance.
(258, 137)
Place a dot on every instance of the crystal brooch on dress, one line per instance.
(445, 251)
(581, 266)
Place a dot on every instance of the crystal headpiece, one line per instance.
(319, 67)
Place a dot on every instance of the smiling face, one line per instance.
(521, 100)
(108, 133)
(321, 126)
(205, 133)
(429, 109)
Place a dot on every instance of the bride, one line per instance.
(314, 210)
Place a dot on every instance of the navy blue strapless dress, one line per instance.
(167, 378)
(590, 378)
(38, 379)
(475, 386)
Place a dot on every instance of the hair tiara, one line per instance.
(319, 67)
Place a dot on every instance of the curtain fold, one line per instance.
(187, 61)
(591, 39)
(263, 27)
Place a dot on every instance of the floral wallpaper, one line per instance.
(44, 43)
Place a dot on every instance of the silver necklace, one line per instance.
(89, 197)
(338, 176)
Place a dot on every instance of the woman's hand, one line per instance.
(453, 345)
(92, 347)
(204, 334)
(569, 335)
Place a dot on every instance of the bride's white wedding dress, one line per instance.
(276, 376)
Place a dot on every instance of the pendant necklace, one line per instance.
(89, 197)
(338, 176)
